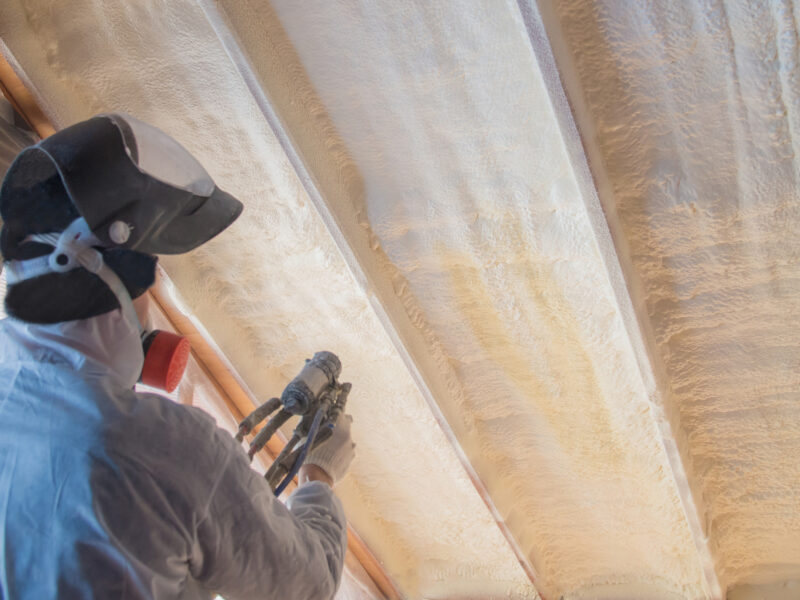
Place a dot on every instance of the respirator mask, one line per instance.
(166, 356)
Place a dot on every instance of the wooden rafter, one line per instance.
(22, 100)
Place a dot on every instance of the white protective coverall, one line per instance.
(107, 493)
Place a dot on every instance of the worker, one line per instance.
(105, 492)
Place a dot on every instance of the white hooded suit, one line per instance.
(107, 493)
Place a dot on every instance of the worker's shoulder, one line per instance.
(152, 427)
(162, 410)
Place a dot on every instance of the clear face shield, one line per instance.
(161, 157)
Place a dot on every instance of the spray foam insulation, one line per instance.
(474, 286)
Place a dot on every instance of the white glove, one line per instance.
(335, 454)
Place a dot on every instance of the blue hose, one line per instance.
(312, 434)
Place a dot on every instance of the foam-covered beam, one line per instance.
(362, 263)
(613, 252)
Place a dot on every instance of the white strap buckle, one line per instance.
(72, 248)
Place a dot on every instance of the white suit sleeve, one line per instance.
(249, 545)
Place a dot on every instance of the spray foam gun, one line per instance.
(317, 397)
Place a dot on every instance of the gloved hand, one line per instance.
(335, 454)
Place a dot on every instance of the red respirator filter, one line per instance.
(165, 358)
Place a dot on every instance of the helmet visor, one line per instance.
(116, 168)
(161, 157)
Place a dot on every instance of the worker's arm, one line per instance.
(249, 545)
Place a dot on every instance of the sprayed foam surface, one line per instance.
(467, 195)
(435, 123)
(273, 288)
(695, 109)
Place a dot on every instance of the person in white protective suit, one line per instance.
(105, 492)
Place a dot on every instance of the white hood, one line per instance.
(107, 346)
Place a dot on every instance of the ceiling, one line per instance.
(553, 243)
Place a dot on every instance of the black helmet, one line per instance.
(138, 191)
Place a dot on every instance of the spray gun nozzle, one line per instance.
(318, 398)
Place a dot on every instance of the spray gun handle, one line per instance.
(255, 417)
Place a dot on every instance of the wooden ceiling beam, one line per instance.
(23, 101)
